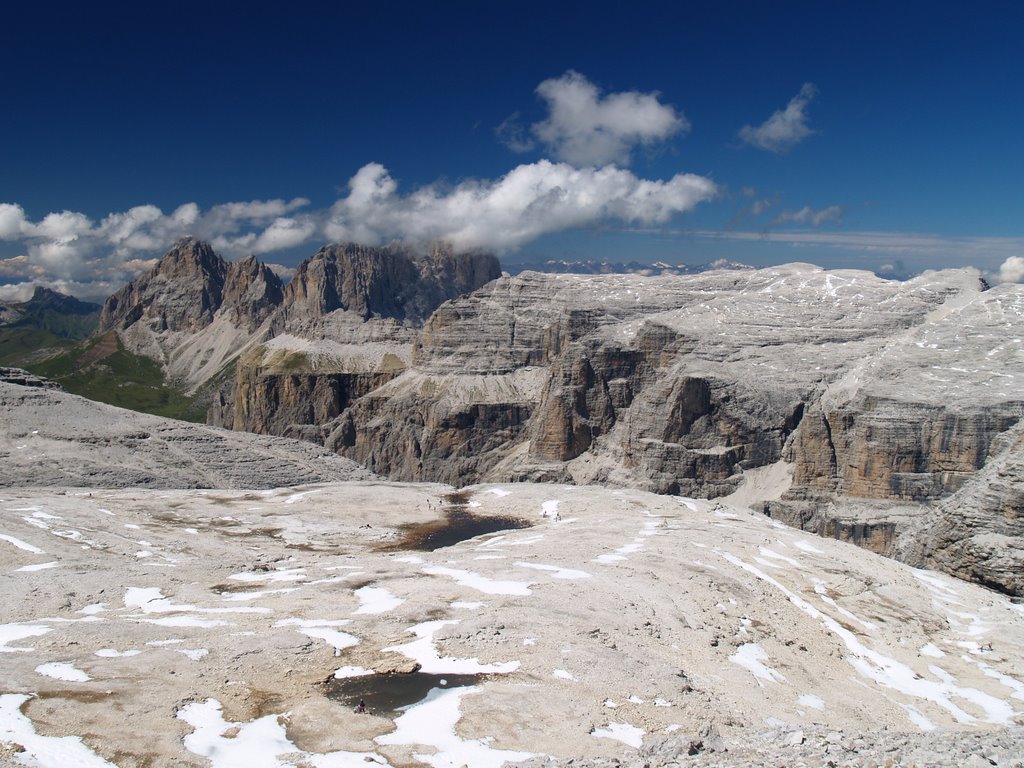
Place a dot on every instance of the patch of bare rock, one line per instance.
(49, 438)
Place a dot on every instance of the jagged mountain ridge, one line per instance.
(194, 312)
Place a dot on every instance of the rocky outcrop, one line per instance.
(252, 292)
(23, 378)
(977, 532)
(68, 441)
(181, 293)
(382, 282)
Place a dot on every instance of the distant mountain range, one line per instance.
(605, 267)
(44, 325)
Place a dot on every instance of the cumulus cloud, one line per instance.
(786, 127)
(68, 250)
(503, 214)
(1012, 270)
(585, 128)
(808, 215)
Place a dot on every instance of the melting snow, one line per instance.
(624, 732)
(11, 632)
(343, 672)
(60, 670)
(807, 547)
(809, 700)
(376, 600)
(43, 751)
(556, 572)
(432, 724)
(482, 583)
(890, 673)
(257, 744)
(21, 544)
(322, 630)
(39, 566)
(563, 675)
(111, 653)
(423, 650)
(187, 621)
(152, 600)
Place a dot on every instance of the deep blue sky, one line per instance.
(915, 127)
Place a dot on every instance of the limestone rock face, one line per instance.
(252, 292)
(977, 533)
(181, 293)
(384, 282)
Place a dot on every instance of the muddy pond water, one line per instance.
(390, 692)
(458, 524)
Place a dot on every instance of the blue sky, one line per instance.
(884, 136)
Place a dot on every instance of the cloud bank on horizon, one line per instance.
(590, 137)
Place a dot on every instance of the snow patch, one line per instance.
(42, 751)
(257, 744)
(751, 656)
(11, 632)
(21, 544)
(431, 723)
(424, 651)
(376, 600)
(39, 567)
(481, 583)
(61, 670)
(323, 630)
(556, 572)
(624, 732)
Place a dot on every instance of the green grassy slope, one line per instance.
(102, 369)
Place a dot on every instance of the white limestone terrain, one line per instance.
(170, 627)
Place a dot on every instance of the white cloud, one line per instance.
(808, 215)
(586, 129)
(513, 135)
(529, 201)
(69, 250)
(12, 221)
(786, 127)
(1012, 270)
(760, 206)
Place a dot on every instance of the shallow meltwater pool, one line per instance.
(458, 524)
(385, 693)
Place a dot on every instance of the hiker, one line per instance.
(361, 709)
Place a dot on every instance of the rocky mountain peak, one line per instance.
(181, 293)
(389, 281)
(251, 292)
(46, 298)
